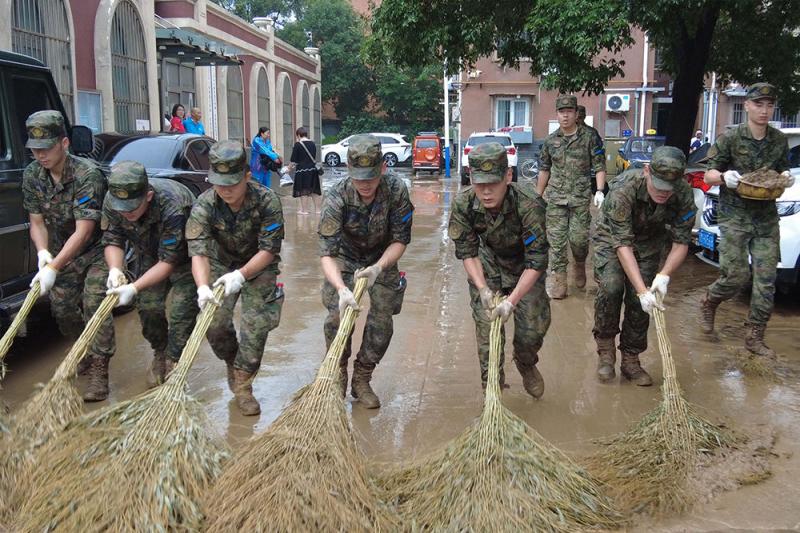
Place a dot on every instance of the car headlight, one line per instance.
(786, 209)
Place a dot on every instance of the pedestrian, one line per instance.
(568, 155)
(697, 141)
(149, 215)
(306, 176)
(63, 195)
(263, 156)
(365, 224)
(749, 233)
(234, 233)
(581, 120)
(193, 124)
(645, 206)
(176, 123)
(498, 228)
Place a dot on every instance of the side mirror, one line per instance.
(621, 152)
(81, 140)
(345, 143)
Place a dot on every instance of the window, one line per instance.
(262, 99)
(738, 111)
(317, 118)
(178, 84)
(512, 112)
(505, 140)
(427, 143)
(128, 68)
(235, 104)
(306, 110)
(288, 124)
(197, 154)
(30, 94)
(787, 121)
(91, 110)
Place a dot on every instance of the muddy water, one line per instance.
(429, 381)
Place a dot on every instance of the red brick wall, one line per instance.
(83, 15)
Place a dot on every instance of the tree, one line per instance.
(248, 9)
(572, 43)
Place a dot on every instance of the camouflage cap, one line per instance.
(566, 100)
(488, 163)
(45, 129)
(667, 166)
(127, 186)
(227, 161)
(757, 91)
(364, 157)
(581, 112)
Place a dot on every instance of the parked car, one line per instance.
(426, 153)
(396, 149)
(637, 151)
(484, 137)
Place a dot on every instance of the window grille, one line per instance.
(288, 125)
(128, 68)
(235, 104)
(318, 120)
(262, 99)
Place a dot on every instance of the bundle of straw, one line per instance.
(305, 473)
(16, 324)
(141, 465)
(499, 475)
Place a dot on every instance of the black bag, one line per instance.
(317, 165)
(269, 163)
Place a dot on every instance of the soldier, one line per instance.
(365, 224)
(150, 215)
(747, 227)
(63, 195)
(569, 154)
(643, 208)
(237, 227)
(498, 228)
(598, 144)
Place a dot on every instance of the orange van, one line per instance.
(426, 153)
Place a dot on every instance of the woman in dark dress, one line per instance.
(306, 178)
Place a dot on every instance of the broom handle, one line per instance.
(495, 347)
(13, 329)
(330, 364)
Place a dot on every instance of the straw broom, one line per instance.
(499, 475)
(16, 325)
(305, 472)
(141, 465)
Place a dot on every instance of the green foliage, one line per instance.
(247, 9)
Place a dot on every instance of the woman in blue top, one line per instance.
(262, 146)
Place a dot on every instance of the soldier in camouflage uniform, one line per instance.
(364, 228)
(498, 228)
(643, 208)
(567, 156)
(581, 120)
(150, 215)
(747, 227)
(63, 195)
(237, 227)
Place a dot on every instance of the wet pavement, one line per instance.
(429, 380)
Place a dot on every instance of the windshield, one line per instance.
(427, 143)
(150, 152)
(646, 146)
(502, 139)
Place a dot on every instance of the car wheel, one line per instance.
(391, 159)
(332, 160)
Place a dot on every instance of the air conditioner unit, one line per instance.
(618, 103)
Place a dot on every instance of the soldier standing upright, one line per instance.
(749, 228)
(567, 156)
(498, 228)
(365, 225)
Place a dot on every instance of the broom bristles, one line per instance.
(8, 337)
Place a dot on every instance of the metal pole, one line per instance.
(446, 123)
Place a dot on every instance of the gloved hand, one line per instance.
(115, 278)
(45, 258)
(784, 173)
(205, 295)
(370, 272)
(126, 293)
(731, 178)
(233, 282)
(503, 310)
(649, 302)
(346, 299)
(659, 286)
(46, 278)
(487, 298)
(598, 198)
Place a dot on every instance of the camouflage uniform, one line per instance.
(77, 196)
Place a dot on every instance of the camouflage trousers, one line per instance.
(531, 322)
(761, 242)
(260, 313)
(384, 300)
(567, 225)
(614, 288)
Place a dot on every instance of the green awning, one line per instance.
(189, 46)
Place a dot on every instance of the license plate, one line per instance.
(707, 240)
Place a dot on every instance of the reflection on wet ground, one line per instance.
(429, 381)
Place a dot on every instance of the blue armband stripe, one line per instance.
(688, 215)
(273, 226)
(83, 200)
(167, 242)
(405, 218)
(530, 240)
(600, 151)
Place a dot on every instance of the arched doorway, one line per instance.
(128, 68)
(235, 98)
(262, 99)
(288, 125)
(317, 118)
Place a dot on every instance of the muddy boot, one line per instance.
(607, 353)
(754, 341)
(362, 374)
(632, 370)
(169, 366)
(708, 309)
(243, 391)
(155, 376)
(231, 380)
(532, 379)
(579, 274)
(558, 285)
(97, 389)
(83, 366)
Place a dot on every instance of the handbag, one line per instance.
(317, 165)
(270, 164)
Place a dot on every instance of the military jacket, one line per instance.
(629, 217)
(78, 196)
(570, 160)
(507, 243)
(357, 233)
(233, 238)
(159, 234)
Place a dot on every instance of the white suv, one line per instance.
(484, 137)
(396, 149)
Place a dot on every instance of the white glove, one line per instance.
(503, 310)
(649, 302)
(487, 298)
(45, 258)
(46, 278)
(732, 179)
(784, 173)
(346, 299)
(233, 282)
(115, 278)
(659, 286)
(126, 293)
(598, 198)
(370, 272)
(205, 295)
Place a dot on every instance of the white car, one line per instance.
(396, 149)
(484, 137)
